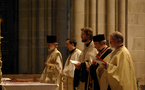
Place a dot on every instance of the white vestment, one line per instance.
(86, 56)
(69, 68)
(51, 73)
(120, 73)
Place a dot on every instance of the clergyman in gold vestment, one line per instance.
(119, 71)
(53, 64)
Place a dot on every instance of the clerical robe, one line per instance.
(102, 54)
(120, 73)
(81, 75)
(51, 73)
(69, 68)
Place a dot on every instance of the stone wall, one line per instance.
(136, 35)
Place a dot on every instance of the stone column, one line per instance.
(87, 13)
(93, 15)
(110, 11)
(23, 35)
(61, 27)
(122, 18)
(78, 23)
(101, 17)
(41, 35)
(53, 22)
(29, 36)
(69, 17)
(48, 16)
(34, 40)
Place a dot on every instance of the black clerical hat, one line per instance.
(99, 37)
(51, 39)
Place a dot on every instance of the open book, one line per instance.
(99, 60)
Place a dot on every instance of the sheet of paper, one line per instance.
(98, 60)
(74, 62)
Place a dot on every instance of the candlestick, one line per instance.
(0, 53)
(0, 25)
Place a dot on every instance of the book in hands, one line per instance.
(74, 62)
(99, 60)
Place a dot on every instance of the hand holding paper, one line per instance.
(74, 62)
(99, 60)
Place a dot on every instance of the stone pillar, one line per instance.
(29, 40)
(48, 17)
(110, 9)
(61, 27)
(41, 35)
(122, 18)
(87, 13)
(78, 23)
(93, 15)
(34, 40)
(53, 22)
(101, 17)
(69, 17)
(23, 37)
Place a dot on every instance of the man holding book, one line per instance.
(81, 75)
(119, 73)
(68, 71)
(104, 50)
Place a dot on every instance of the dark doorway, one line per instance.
(9, 30)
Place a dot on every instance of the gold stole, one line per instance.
(52, 61)
(90, 83)
(103, 51)
(67, 63)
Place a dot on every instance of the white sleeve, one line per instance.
(59, 64)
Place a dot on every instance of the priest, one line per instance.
(53, 64)
(119, 71)
(104, 51)
(82, 76)
(68, 71)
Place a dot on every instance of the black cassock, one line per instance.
(82, 74)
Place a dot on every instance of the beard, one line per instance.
(50, 49)
(85, 40)
(114, 46)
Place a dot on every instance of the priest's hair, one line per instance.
(117, 35)
(56, 44)
(88, 31)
